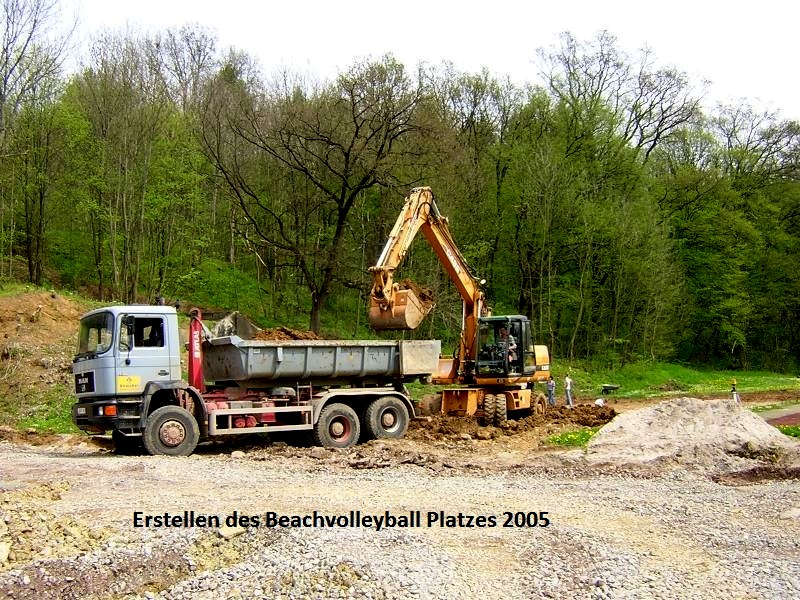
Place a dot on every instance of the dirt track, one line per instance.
(615, 530)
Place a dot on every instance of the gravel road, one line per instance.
(612, 531)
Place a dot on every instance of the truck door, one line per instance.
(143, 353)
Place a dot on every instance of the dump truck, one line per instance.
(496, 364)
(128, 380)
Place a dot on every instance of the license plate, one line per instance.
(84, 382)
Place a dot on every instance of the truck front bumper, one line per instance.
(99, 416)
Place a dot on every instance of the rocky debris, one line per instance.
(235, 323)
(674, 534)
(706, 434)
(28, 529)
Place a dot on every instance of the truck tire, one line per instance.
(500, 410)
(488, 410)
(126, 445)
(386, 417)
(172, 431)
(337, 427)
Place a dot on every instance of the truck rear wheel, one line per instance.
(337, 427)
(172, 431)
(386, 417)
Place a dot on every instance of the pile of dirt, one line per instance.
(425, 295)
(38, 335)
(706, 434)
(284, 334)
(442, 427)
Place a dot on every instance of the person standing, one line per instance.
(551, 391)
(509, 343)
(568, 390)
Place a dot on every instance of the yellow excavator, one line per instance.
(496, 363)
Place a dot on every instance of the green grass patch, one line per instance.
(45, 412)
(656, 379)
(575, 437)
(773, 406)
(790, 430)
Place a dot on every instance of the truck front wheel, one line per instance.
(172, 431)
(337, 427)
(386, 417)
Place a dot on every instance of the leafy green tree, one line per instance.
(299, 161)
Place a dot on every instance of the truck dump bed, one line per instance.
(233, 359)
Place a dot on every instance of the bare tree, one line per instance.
(28, 54)
(325, 148)
(185, 58)
(30, 63)
(610, 99)
(758, 148)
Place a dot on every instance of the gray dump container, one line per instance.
(234, 359)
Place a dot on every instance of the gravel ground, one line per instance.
(614, 531)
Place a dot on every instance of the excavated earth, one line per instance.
(686, 498)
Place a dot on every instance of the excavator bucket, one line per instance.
(407, 312)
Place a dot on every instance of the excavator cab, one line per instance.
(505, 347)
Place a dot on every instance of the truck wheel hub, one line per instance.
(337, 428)
(172, 433)
(388, 419)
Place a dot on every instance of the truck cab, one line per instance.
(125, 355)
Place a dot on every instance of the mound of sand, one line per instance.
(703, 433)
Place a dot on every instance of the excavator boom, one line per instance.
(404, 305)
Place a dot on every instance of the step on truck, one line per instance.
(128, 380)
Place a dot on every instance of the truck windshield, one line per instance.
(96, 334)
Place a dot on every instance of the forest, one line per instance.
(605, 200)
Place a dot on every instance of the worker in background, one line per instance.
(734, 393)
(551, 391)
(568, 390)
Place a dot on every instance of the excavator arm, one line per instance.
(404, 306)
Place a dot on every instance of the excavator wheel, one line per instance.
(500, 412)
(488, 410)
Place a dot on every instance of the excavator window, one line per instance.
(499, 350)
